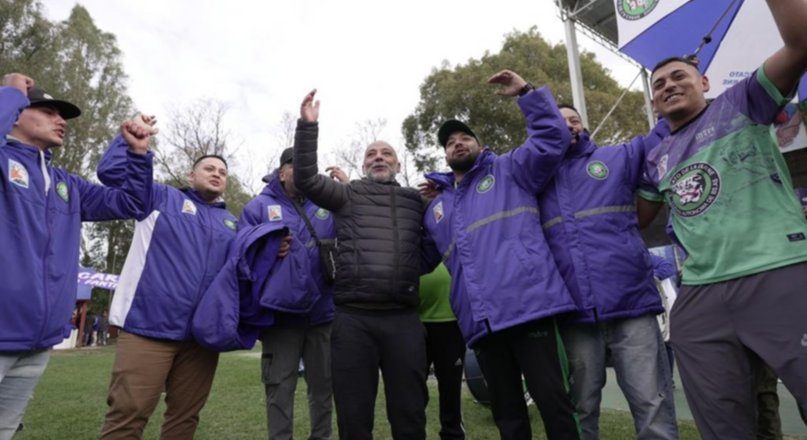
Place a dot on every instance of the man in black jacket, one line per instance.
(378, 230)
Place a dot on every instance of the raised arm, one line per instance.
(13, 100)
(788, 64)
(134, 136)
(132, 199)
(322, 190)
(533, 164)
(126, 168)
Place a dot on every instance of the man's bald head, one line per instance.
(380, 162)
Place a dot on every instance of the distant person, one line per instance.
(734, 211)
(295, 337)
(176, 252)
(41, 210)
(103, 328)
(378, 266)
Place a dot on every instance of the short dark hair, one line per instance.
(216, 156)
(569, 106)
(688, 60)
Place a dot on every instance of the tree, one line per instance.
(193, 131)
(76, 61)
(461, 93)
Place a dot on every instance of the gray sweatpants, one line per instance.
(714, 327)
(283, 348)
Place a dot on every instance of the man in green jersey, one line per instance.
(445, 349)
(734, 211)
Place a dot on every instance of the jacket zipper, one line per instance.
(395, 250)
(45, 302)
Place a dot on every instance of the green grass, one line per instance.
(70, 402)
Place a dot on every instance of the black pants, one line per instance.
(445, 348)
(362, 341)
(535, 350)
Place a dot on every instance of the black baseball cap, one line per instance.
(287, 156)
(39, 98)
(450, 127)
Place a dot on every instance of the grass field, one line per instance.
(69, 403)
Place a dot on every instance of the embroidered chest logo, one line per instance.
(485, 184)
(188, 207)
(597, 170)
(635, 9)
(230, 223)
(61, 189)
(694, 189)
(17, 174)
(322, 214)
(275, 213)
(437, 211)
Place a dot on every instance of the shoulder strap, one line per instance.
(308, 224)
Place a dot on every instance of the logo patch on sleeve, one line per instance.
(188, 207)
(275, 213)
(230, 223)
(597, 170)
(64, 193)
(437, 211)
(322, 214)
(485, 184)
(17, 173)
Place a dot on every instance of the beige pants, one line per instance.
(143, 369)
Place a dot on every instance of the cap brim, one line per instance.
(450, 127)
(66, 109)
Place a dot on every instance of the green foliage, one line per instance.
(461, 92)
(73, 60)
(76, 61)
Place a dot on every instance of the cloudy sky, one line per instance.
(366, 58)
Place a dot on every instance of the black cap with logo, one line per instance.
(450, 127)
(39, 98)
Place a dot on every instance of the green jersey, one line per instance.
(732, 204)
(435, 291)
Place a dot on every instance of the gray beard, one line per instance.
(375, 179)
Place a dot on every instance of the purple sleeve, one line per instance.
(12, 103)
(251, 215)
(638, 149)
(662, 268)
(533, 164)
(757, 98)
(131, 199)
(112, 167)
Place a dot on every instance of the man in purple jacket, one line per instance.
(296, 336)
(177, 251)
(506, 289)
(589, 217)
(41, 210)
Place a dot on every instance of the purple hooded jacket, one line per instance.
(272, 205)
(488, 230)
(588, 213)
(40, 230)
